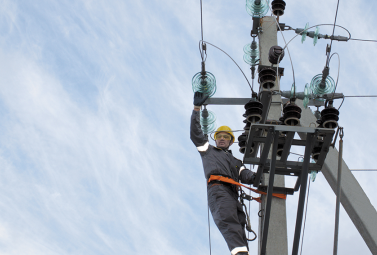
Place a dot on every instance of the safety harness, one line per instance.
(231, 181)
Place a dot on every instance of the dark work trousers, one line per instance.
(228, 214)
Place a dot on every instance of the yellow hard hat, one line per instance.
(225, 129)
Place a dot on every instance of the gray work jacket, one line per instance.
(217, 161)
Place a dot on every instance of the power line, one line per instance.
(364, 170)
(363, 40)
(336, 15)
(362, 96)
(233, 61)
(201, 47)
(201, 17)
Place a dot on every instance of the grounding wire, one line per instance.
(233, 61)
(337, 78)
(328, 54)
(341, 104)
(306, 210)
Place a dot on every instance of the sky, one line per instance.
(95, 105)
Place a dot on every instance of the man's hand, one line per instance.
(254, 175)
(199, 99)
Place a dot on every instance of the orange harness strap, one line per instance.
(231, 181)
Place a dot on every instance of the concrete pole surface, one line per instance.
(277, 241)
(353, 198)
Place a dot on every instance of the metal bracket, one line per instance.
(256, 25)
(271, 136)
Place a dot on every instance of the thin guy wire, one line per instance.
(234, 63)
(363, 40)
(209, 233)
(362, 96)
(336, 15)
(306, 210)
(248, 233)
(364, 170)
(201, 17)
(201, 24)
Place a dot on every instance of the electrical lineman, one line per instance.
(226, 210)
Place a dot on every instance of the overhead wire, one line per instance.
(201, 17)
(232, 60)
(201, 26)
(355, 96)
(363, 170)
(362, 96)
(202, 52)
(328, 54)
(363, 40)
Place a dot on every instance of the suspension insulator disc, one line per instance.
(267, 78)
(257, 9)
(278, 7)
(204, 83)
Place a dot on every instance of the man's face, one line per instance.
(223, 140)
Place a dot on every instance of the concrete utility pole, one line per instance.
(277, 241)
(353, 198)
